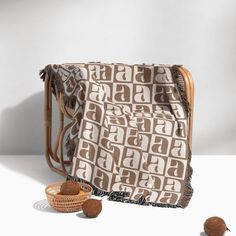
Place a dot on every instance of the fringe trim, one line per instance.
(188, 190)
(57, 85)
(52, 76)
(70, 147)
(70, 101)
(121, 196)
(179, 80)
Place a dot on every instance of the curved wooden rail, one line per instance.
(189, 90)
(51, 157)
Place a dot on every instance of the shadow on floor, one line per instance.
(34, 167)
(203, 234)
(82, 215)
(43, 206)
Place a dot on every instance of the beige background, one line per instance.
(199, 34)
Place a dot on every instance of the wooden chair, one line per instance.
(54, 153)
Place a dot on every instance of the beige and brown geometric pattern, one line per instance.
(129, 136)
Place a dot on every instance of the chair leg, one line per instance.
(48, 129)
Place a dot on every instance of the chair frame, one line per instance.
(54, 153)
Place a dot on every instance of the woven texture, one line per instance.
(67, 203)
(129, 133)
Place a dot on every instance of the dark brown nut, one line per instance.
(70, 187)
(92, 207)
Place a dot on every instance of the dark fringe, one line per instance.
(179, 80)
(120, 196)
(70, 147)
(96, 191)
(56, 84)
(188, 190)
(70, 101)
(52, 76)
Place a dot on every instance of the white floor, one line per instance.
(24, 209)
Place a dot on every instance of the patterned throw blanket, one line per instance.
(128, 137)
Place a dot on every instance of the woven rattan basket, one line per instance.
(67, 203)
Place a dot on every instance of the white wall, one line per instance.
(199, 34)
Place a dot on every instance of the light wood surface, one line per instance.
(189, 89)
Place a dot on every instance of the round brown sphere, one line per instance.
(215, 226)
(70, 187)
(92, 207)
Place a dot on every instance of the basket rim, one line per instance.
(66, 196)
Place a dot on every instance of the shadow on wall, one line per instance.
(22, 127)
(22, 133)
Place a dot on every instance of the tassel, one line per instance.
(121, 196)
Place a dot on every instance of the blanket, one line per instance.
(129, 133)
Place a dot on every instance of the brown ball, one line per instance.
(215, 226)
(92, 207)
(70, 187)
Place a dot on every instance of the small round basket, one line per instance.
(67, 203)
